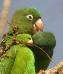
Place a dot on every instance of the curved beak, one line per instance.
(38, 26)
(30, 42)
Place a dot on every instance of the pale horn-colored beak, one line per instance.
(38, 26)
(30, 42)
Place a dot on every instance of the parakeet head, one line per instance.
(28, 20)
(25, 39)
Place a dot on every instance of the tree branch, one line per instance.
(58, 69)
(4, 15)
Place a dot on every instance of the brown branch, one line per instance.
(4, 15)
(58, 69)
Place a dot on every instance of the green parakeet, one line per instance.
(28, 20)
(24, 61)
(19, 58)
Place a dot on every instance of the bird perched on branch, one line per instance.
(28, 20)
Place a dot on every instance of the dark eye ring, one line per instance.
(29, 38)
(29, 17)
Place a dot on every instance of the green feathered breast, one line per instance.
(24, 61)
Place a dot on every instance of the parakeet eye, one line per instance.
(29, 17)
(29, 38)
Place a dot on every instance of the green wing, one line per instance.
(24, 61)
(44, 39)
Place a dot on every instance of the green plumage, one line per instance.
(7, 42)
(44, 40)
(24, 38)
(19, 58)
(6, 61)
(22, 22)
(24, 61)
(6, 65)
(47, 42)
